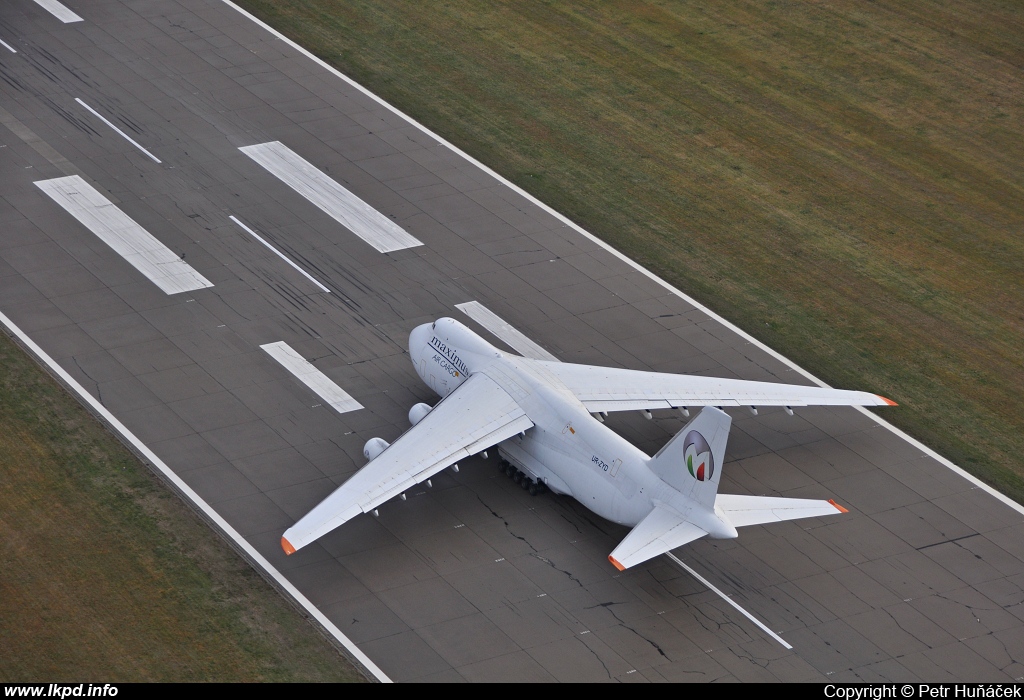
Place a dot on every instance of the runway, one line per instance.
(225, 245)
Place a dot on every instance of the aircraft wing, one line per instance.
(661, 531)
(477, 415)
(611, 389)
(756, 510)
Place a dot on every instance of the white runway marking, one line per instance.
(111, 125)
(729, 600)
(215, 518)
(129, 240)
(309, 375)
(336, 201)
(8, 46)
(59, 11)
(279, 254)
(505, 331)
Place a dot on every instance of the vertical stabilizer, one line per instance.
(692, 461)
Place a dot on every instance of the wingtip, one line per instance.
(615, 563)
(837, 506)
(287, 546)
(888, 402)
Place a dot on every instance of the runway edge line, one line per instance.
(211, 515)
(650, 275)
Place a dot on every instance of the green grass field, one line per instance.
(106, 575)
(842, 180)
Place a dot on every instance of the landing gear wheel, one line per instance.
(525, 483)
(518, 476)
(534, 488)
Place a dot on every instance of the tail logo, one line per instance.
(697, 454)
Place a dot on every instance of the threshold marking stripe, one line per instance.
(309, 375)
(8, 46)
(337, 202)
(135, 244)
(279, 253)
(219, 522)
(729, 600)
(505, 331)
(59, 11)
(111, 125)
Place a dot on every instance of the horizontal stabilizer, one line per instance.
(661, 531)
(757, 510)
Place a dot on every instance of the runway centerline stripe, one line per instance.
(111, 125)
(309, 375)
(59, 11)
(8, 46)
(337, 202)
(729, 600)
(279, 253)
(135, 244)
(505, 331)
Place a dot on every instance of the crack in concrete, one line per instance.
(1005, 651)
(760, 663)
(897, 622)
(599, 660)
(566, 518)
(508, 528)
(552, 565)
(954, 540)
(77, 364)
(815, 620)
(622, 623)
(99, 392)
(972, 608)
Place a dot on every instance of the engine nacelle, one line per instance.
(418, 413)
(373, 447)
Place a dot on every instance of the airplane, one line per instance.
(545, 417)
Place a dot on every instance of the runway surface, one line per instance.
(245, 317)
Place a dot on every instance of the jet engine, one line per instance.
(418, 413)
(373, 447)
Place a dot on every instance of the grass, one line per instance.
(842, 180)
(106, 575)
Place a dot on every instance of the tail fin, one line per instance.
(691, 462)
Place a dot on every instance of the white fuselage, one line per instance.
(567, 449)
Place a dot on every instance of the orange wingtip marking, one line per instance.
(888, 402)
(287, 546)
(618, 566)
(838, 507)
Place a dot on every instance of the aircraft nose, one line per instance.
(419, 337)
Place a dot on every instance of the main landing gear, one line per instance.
(528, 484)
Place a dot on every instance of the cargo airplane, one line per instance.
(545, 418)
